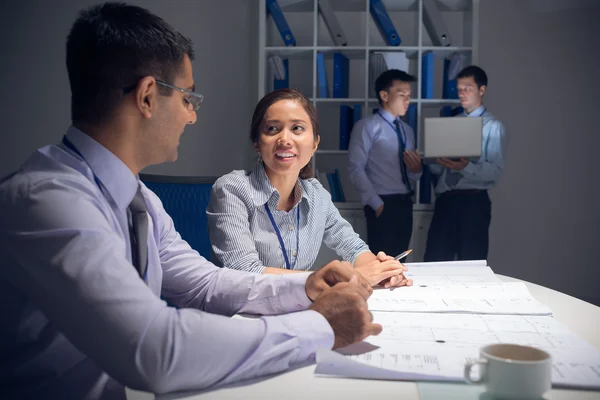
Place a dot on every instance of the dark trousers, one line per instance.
(391, 231)
(460, 226)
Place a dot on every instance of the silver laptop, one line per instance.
(452, 138)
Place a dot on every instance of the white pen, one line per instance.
(402, 255)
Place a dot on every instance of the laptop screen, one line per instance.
(452, 137)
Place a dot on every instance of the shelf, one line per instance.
(439, 101)
(374, 100)
(340, 48)
(358, 52)
(332, 152)
(460, 16)
(291, 52)
(422, 101)
(337, 5)
(447, 48)
(350, 52)
(359, 5)
(338, 100)
(411, 51)
(446, 51)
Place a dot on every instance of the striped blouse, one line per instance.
(244, 238)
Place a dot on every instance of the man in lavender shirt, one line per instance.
(82, 314)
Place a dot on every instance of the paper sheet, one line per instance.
(484, 298)
(435, 347)
(453, 264)
(439, 275)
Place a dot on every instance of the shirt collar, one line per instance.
(262, 191)
(478, 111)
(115, 176)
(387, 116)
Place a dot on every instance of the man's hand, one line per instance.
(384, 271)
(344, 306)
(329, 275)
(453, 165)
(412, 161)
(379, 211)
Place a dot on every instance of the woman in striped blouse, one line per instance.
(274, 219)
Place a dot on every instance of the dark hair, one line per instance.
(387, 78)
(112, 46)
(273, 97)
(478, 74)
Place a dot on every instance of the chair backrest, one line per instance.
(185, 199)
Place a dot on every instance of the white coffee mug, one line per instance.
(511, 371)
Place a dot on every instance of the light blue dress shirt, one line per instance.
(78, 322)
(243, 236)
(483, 173)
(374, 158)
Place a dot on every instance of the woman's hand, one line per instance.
(384, 271)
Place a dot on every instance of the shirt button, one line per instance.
(294, 253)
(291, 227)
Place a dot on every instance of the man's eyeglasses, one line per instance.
(193, 100)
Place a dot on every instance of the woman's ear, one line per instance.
(317, 141)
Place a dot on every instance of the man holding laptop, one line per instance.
(462, 215)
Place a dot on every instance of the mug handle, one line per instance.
(469, 365)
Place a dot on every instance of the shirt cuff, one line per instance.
(375, 203)
(469, 168)
(312, 330)
(292, 292)
(362, 251)
(259, 269)
(415, 176)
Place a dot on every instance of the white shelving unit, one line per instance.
(312, 37)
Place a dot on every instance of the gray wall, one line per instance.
(543, 79)
(35, 97)
(544, 85)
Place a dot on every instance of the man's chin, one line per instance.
(173, 157)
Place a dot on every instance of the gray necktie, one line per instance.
(402, 146)
(138, 233)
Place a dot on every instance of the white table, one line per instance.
(580, 317)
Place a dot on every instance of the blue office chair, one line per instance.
(185, 199)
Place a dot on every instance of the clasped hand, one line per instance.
(384, 271)
(340, 296)
(453, 165)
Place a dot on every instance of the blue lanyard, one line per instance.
(402, 133)
(287, 261)
(72, 147)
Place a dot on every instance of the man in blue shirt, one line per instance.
(382, 162)
(461, 220)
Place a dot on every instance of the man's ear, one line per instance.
(482, 89)
(383, 94)
(146, 96)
